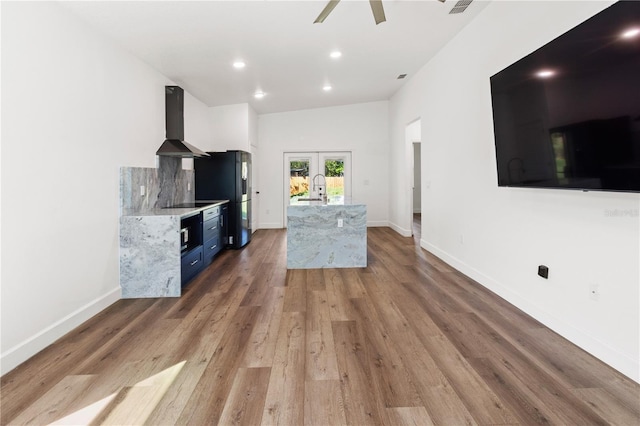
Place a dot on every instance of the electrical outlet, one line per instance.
(188, 186)
(340, 223)
(142, 188)
(461, 239)
(594, 292)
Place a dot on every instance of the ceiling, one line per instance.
(195, 43)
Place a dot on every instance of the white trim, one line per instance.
(623, 363)
(377, 223)
(18, 354)
(401, 231)
(274, 225)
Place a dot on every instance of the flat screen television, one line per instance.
(568, 115)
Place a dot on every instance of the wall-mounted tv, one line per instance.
(568, 114)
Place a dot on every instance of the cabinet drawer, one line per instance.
(192, 263)
(210, 213)
(211, 248)
(211, 229)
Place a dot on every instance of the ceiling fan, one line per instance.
(376, 8)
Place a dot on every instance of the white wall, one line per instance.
(232, 127)
(360, 128)
(75, 108)
(499, 236)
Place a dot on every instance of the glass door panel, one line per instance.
(313, 174)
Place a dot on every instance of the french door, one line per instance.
(311, 174)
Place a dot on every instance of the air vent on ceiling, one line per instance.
(460, 7)
(401, 76)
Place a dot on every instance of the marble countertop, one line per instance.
(174, 211)
(331, 201)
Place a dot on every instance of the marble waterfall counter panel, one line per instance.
(150, 256)
(314, 239)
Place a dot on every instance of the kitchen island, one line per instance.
(151, 256)
(326, 235)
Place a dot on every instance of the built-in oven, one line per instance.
(190, 232)
(184, 239)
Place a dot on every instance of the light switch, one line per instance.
(142, 188)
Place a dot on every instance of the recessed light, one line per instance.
(545, 73)
(335, 54)
(239, 65)
(259, 95)
(327, 87)
(631, 33)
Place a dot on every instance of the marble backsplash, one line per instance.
(165, 186)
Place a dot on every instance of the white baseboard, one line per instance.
(623, 363)
(377, 223)
(18, 354)
(402, 231)
(271, 225)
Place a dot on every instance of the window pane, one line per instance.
(334, 172)
(299, 179)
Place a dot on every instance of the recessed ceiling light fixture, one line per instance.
(335, 54)
(259, 94)
(630, 33)
(239, 65)
(545, 73)
(327, 87)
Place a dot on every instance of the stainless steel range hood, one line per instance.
(174, 145)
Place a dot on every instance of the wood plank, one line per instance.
(339, 304)
(610, 407)
(361, 404)
(295, 297)
(321, 363)
(323, 403)
(55, 404)
(409, 416)
(284, 404)
(264, 337)
(315, 280)
(394, 384)
(246, 397)
(208, 398)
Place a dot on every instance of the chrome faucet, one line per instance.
(321, 187)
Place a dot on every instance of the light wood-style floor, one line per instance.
(406, 340)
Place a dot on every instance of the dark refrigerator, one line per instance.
(227, 176)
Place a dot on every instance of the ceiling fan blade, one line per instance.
(378, 11)
(326, 11)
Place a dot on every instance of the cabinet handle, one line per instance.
(212, 247)
(212, 228)
(194, 262)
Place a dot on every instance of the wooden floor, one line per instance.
(406, 340)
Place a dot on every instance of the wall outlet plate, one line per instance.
(543, 271)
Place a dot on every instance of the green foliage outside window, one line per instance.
(333, 168)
